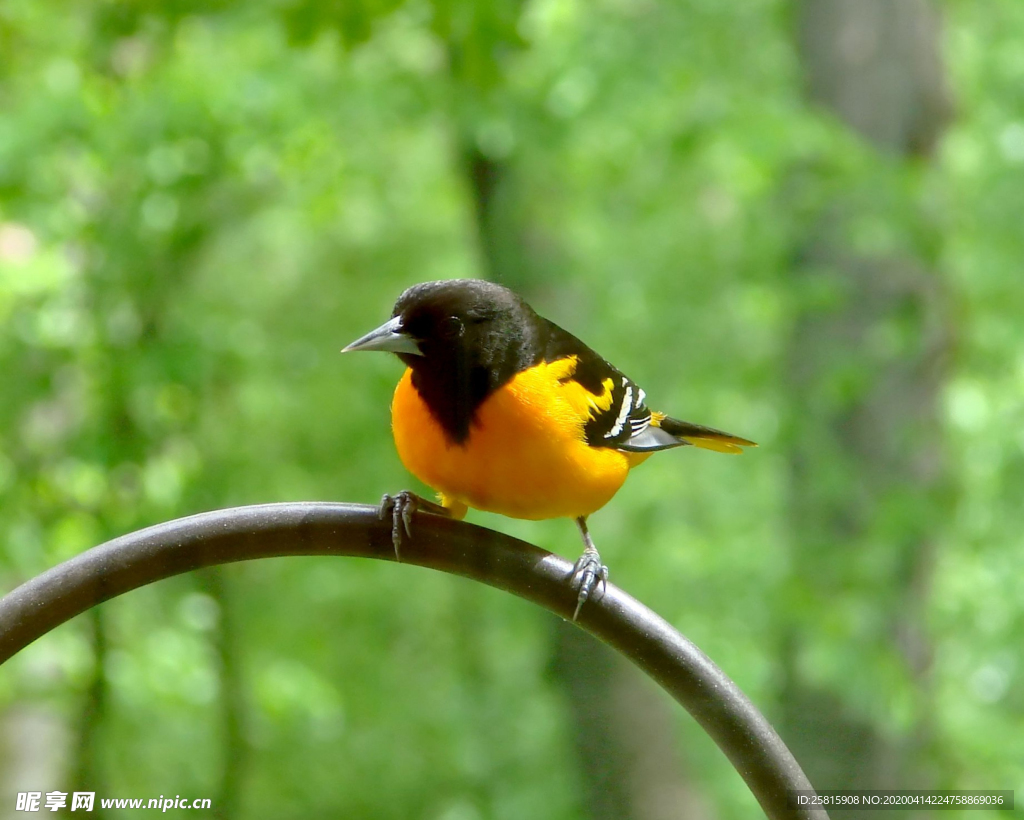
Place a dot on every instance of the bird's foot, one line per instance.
(586, 573)
(401, 507)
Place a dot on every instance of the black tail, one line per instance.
(706, 437)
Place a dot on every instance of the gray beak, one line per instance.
(389, 337)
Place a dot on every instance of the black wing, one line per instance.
(619, 418)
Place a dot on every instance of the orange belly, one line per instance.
(525, 456)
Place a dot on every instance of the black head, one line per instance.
(463, 339)
(459, 319)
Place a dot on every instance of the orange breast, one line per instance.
(525, 456)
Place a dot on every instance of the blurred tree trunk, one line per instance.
(623, 730)
(88, 773)
(867, 361)
(231, 702)
(623, 726)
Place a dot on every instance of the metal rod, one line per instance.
(245, 533)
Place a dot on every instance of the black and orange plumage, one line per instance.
(501, 410)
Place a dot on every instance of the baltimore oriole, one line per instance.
(501, 410)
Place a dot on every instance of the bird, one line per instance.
(501, 410)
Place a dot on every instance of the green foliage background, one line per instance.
(201, 203)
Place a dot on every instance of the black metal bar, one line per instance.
(244, 533)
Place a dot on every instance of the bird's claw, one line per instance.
(400, 507)
(586, 573)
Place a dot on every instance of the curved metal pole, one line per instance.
(263, 531)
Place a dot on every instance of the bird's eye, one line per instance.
(451, 328)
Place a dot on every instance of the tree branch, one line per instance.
(270, 530)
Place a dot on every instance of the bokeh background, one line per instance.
(797, 220)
